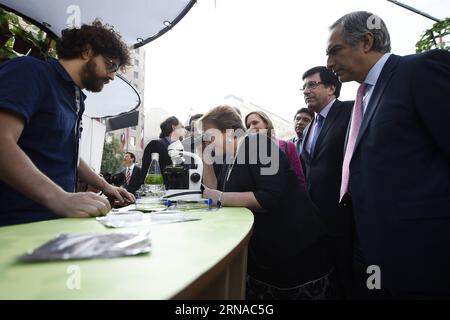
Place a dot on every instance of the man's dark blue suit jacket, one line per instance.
(400, 174)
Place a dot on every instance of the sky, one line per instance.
(258, 50)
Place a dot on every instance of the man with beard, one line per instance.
(41, 105)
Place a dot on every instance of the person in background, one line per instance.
(323, 166)
(41, 106)
(131, 173)
(171, 131)
(302, 119)
(287, 256)
(193, 140)
(190, 128)
(258, 121)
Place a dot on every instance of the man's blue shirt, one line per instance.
(42, 93)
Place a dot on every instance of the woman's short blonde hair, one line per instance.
(265, 118)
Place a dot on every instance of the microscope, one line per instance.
(183, 179)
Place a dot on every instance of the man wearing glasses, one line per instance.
(322, 153)
(41, 105)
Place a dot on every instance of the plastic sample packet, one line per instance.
(200, 204)
(148, 204)
(90, 246)
(136, 218)
(125, 219)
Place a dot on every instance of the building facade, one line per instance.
(132, 138)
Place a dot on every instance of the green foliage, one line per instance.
(19, 37)
(434, 38)
(112, 156)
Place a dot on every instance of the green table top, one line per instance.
(181, 252)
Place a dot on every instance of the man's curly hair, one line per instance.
(101, 37)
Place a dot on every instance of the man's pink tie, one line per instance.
(357, 116)
(128, 177)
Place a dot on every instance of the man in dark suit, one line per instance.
(302, 119)
(322, 153)
(132, 173)
(396, 169)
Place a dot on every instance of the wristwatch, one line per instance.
(219, 200)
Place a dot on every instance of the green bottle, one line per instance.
(154, 179)
(151, 178)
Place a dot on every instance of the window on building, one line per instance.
(136, 62)
(136, 75)
(133, 141)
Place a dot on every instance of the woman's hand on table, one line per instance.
(211, 193)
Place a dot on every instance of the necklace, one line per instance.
(231, 166)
